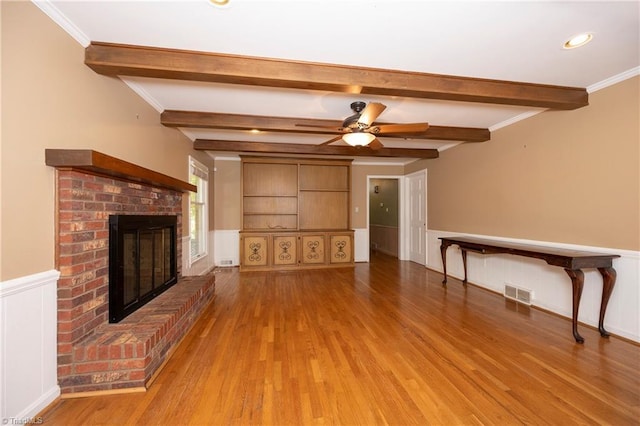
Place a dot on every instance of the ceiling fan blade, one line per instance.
(402, 128)
(337, 129)
(375, 144)
(370, 113)
(331, 140)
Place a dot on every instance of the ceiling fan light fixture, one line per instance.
(578, 40)
(358, 138)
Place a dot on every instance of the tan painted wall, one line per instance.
(562, 176)
(228, 195)
(50, 99)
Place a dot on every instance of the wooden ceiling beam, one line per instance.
(297, 149)
(128, 60)
(213, 120)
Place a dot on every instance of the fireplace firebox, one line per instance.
(142, 261)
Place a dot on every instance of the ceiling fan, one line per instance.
(359, 129)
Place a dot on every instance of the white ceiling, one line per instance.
(506, 40)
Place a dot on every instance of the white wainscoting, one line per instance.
(551, 285)
(28, 345)
(227, 247)
(223, 250)
(361, 245)
(201, 266)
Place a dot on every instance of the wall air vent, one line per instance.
(518, 294)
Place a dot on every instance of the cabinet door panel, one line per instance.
(341, 250)
(285, 251)
(312, 249)
(254, 249)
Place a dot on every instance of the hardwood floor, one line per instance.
(383, 343)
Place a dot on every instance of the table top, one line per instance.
(554, 256)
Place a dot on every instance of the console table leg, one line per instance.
(608, 282)
(443, 253)
(577, 280)
(464, 265)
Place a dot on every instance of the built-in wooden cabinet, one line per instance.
(294, 250)
(295, 213)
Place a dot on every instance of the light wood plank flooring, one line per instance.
(383, 343)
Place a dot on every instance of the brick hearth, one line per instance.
(93, 354)
(127, 354)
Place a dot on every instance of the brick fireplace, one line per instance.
(94, 355)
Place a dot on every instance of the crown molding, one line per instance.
(56, 16)
(633, 72)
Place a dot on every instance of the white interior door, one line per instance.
(417, 218)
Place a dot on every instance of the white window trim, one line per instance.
(200, 170)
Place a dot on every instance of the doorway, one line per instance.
(384, 216)
(411, 215)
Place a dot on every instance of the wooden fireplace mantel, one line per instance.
(97, 163)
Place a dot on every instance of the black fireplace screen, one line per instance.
(142, 261)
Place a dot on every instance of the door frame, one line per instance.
(404, 206)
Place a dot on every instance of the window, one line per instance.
(198, 210)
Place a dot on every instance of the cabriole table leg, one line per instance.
(608, 282)
(577, 281)
(443, 253)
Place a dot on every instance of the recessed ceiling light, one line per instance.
(219, 3)
(254, 130)
(578, 40)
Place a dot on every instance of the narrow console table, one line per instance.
(572, 261)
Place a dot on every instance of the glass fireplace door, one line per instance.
(142, 261)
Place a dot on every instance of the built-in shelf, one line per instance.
(324, 190)
(97, 163)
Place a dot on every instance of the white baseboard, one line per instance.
(36, 407)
